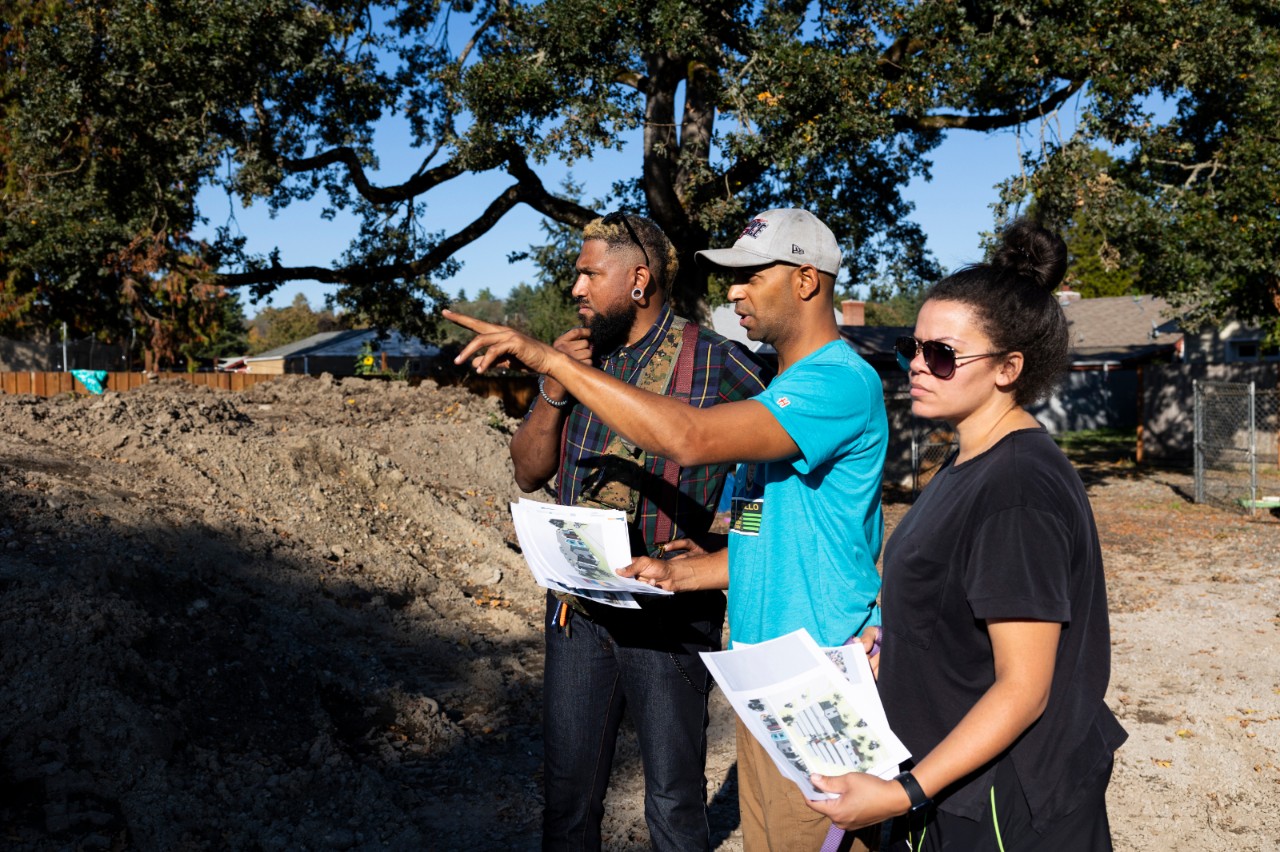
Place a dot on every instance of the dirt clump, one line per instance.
(297, 618)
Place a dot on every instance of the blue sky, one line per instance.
(953, 209)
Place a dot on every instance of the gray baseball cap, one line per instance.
(789, 235)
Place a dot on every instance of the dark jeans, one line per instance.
(644, 662)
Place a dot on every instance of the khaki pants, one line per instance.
(774, 815)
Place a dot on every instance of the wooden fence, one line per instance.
(516, 391)
(52, 384)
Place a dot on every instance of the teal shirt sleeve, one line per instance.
(823, 408)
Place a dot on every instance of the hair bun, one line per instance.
(1032, 253)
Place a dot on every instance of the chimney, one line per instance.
(853, 312)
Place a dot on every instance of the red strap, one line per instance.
(564, 448)
(671, 470)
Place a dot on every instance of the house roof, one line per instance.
(874, 342)
(306, 345)
(349, 343)
(1121, 329)
(1107, 330)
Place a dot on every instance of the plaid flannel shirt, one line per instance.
(722, 372)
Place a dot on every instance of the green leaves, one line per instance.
(114, 114)
(1187, 208)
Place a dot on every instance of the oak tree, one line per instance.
(115, 113)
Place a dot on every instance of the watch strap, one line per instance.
(914, 791)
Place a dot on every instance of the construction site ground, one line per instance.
(297, 617)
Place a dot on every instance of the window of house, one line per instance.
(1251, 350)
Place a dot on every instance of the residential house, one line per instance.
(1115, 341)
(1231, 351)
(915, 445)
(336, 353)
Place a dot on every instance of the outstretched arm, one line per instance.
(730, 432)
(1024, 654)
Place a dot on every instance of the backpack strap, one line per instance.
(682, 386)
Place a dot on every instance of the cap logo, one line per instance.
(795, 249)
(753, 229)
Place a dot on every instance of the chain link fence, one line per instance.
(917, 447)
(931, 443)
(1237, 446)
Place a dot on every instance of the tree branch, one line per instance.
(345, 155)
(475, 39)
(988, 122)
(744, 172)
(696, 125)
(440, 253)
(631, 79)
(1193, 171)
(661, 144)
(533, 193)
(528, 189)
(890, 62)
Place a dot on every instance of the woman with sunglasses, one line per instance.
(995, 647)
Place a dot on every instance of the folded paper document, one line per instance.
(813, 709)
(577, 550)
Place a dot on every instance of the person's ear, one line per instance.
(1010, 368)
(641, 292)
(805, 282)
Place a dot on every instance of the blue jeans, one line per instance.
(646, 663)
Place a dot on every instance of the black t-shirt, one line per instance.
(1008, 534)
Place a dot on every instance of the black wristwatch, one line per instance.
(914, 791)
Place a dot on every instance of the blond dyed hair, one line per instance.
(663, 263)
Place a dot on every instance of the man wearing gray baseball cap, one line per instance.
(790, 236)
(806, 523)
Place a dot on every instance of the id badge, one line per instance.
(745, 515)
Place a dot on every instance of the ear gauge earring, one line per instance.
(636, 294)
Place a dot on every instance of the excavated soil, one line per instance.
(296, 618)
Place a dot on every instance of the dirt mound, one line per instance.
(257, 621)
(142, 418)
(296, 618)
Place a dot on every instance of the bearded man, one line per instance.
(602, 661)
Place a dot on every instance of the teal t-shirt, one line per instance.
(806, 531)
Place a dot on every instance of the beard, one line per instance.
(609, 329)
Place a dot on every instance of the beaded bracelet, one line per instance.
(542, 392)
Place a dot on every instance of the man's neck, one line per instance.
(805, 343)
(645, 320)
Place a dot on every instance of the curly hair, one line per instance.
(1012, 296)
(663, 262)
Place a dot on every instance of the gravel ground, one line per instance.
(296, 618)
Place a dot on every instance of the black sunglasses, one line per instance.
(615, 218)
(940, 358)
